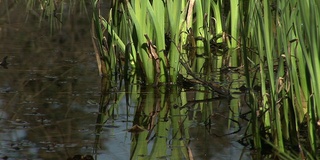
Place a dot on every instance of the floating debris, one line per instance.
(81, 157)
(4, 62)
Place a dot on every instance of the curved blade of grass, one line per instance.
(138, 16)
(157, 16)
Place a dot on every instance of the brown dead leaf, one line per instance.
(136, 129)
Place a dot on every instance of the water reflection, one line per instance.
(166, 123)
(45, 92)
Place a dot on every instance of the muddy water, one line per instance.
(49, 97)
(49, 92)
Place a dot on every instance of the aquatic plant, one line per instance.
(156, 34)
(274, 41)
(282, 36)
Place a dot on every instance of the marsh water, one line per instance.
(50, 102)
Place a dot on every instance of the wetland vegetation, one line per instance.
(175, 64)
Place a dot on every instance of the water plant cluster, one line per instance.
(283, 36)
(273, 43)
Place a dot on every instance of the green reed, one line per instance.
(307, 27)
(283, 34)
(277, 40)
(278, 49)
(149, 22)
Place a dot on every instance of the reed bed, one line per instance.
(274, 42)
(283, 36)
(156, 35)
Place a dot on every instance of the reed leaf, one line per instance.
(176, 12)
(138, 15)
(307, 26)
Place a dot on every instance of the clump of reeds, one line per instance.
(284, 36)
(275, 41)
(152, 36)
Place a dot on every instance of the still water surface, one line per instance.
(50, 93)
